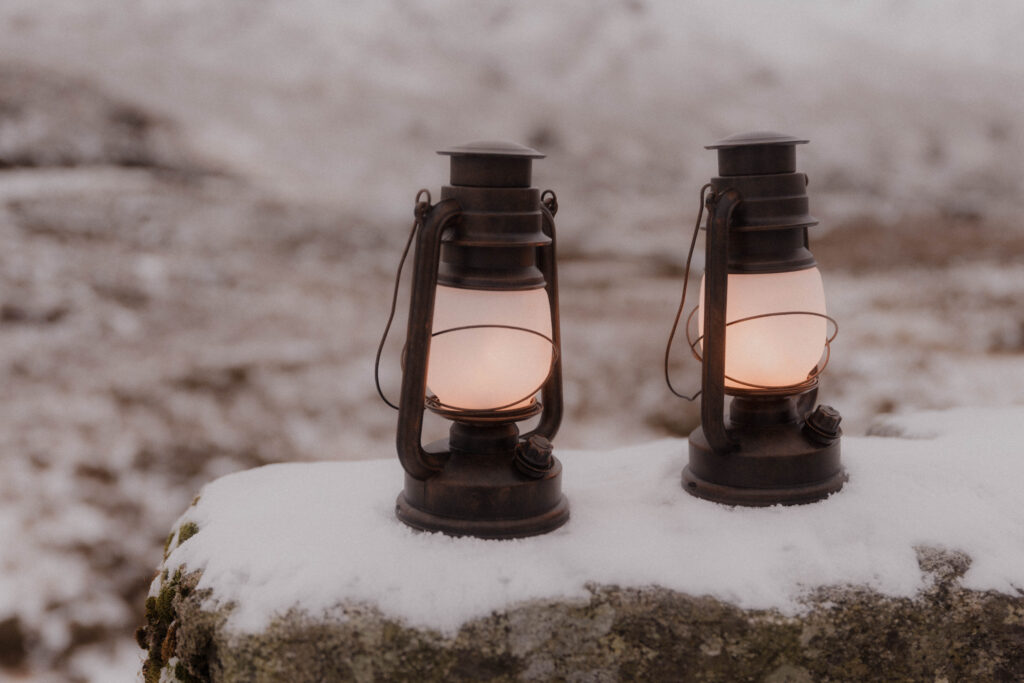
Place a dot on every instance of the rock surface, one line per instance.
(945, 632)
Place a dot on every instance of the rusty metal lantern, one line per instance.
(482, 342)
(763, 336)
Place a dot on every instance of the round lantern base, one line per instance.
(774, 465)
(748, 497)
(483, 528)
(482, 492)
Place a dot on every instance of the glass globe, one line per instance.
(487, 368)
(780, 350)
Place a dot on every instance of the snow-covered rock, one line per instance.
(302, 570)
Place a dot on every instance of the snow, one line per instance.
(317, 535)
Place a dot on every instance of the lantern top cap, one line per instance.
(757, 153)
(492, 148)
(760, 137)
(491, 163)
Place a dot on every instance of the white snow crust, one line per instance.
(315, 536)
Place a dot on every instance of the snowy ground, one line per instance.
(201, 208)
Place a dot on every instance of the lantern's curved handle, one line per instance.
(551, 393)
(419, 463)
(721, 206)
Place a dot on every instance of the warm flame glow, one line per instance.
(485, 368)
(775, 351)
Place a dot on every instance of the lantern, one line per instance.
(482, 342)
(763, 331)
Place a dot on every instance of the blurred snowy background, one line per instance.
(202, 204)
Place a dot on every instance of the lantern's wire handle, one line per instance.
(420, 213)
(682, 301)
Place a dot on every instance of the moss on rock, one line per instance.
(172, 629)
(187, 531)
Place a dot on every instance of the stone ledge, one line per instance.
(945, 632)
(914, 571)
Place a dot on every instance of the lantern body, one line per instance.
(482, 341)
(775, 351)
(763, 333)
(488, 368)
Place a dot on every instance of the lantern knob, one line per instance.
(533, 456)
(822, 425)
